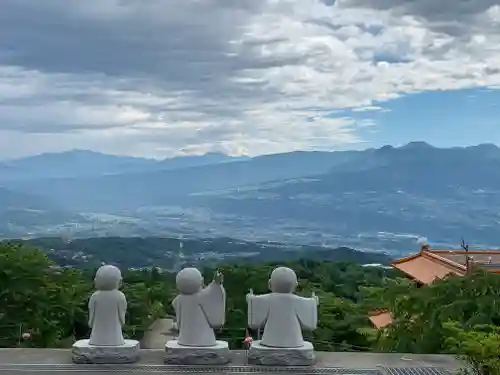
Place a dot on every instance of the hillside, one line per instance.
(84, 163)
(376, 199)
(20, 210)
(457, 315)
(440, 194)
(130, 191)
(166, 253)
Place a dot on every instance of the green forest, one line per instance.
(458, 315)
(163, 252)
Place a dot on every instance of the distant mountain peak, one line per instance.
(206, 154)
(486, 147)
(386, 148)
(73, 153)
(80, 151)
(417, 145)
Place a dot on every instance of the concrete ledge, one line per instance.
(46, 359)
(84, 353)
(174, 370)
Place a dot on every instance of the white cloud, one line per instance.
(370, 108)
(212, 75)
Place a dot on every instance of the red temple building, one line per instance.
(429, 265)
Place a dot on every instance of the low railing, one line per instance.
(21, 335)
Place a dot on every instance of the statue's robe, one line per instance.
(283, 316)
(106, 317)
(198, 314)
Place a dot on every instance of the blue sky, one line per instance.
(160, 78)
(441, 118)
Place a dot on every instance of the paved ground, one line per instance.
(84, 372)
(158, 334)
(36, 360)
(38, 372)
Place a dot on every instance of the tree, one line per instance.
(456, 315)
(478, 346)
(420, 314)
(32, 296)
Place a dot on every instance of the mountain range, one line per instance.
(379, 199)
(80, 163)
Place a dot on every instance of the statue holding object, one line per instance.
(198, 311)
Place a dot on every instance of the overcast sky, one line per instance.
(158, 78)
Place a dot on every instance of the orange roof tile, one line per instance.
(427, 267)
(489, 259)
(380, 318)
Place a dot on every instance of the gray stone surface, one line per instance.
(267, 356)
(83, 353)
(176, 354)
(34, 361)
(161, 331)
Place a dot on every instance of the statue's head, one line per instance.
(189, 281)
(108, 277)
(283, 280)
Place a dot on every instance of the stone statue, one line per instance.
(283, 316)
(198, 311)
(107, 308)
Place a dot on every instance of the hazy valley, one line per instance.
(379, 199)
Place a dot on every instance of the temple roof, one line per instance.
(429, 265)
(488, 259)
(380, 318)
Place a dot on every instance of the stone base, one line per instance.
(176, 354)
(267, 356)
(82, 352)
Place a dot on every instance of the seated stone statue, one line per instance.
(107, 308)
(283, 316)
(198, 311)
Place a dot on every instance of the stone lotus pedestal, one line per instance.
(269, 356)
(218, 354)
(84, 353)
